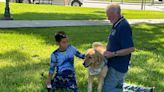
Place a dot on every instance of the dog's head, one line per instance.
(93, 58)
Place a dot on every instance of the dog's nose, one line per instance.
(84, 64)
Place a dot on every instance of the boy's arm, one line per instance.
(78, 54)
(49, 79)
(51, 69)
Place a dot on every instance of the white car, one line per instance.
(76, 2)
(60, 2)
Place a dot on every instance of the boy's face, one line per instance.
(63, 43)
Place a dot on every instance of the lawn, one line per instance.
(53, 12)
(25, 52)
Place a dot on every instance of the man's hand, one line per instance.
(108, 54)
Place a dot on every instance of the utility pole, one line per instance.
(7, 15)
(122, 1)
(143, 4)
(152, 2)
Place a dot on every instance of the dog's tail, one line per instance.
(96, 44)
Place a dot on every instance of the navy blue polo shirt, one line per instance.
(120, 38)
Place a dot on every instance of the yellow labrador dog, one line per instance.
(96, 64)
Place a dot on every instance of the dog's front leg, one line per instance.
(100, 83)
(90, 80)
(101, 78)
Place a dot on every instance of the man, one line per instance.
(119, 49)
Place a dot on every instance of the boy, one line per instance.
(63, 60)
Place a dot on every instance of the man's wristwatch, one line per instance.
(115, 53)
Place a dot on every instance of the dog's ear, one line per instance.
(100, 58)
(90, 51)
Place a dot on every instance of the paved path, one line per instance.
(58, 23)
(131, 6)
(2, 0)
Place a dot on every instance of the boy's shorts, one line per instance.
(66, 79)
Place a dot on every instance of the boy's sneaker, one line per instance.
(152, 89)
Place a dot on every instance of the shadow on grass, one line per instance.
(146, 38)
(78, 36)
(24, 73)
(57, 16)
(15, 56)
(145, 72)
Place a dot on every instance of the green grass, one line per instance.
(52, 12)
(25, 52)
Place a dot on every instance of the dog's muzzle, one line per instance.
(85, 65)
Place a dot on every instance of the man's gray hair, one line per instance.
(114, 7)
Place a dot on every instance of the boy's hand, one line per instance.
(49, 86)
(48, 82)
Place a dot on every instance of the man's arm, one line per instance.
(122, 52)
(126, 43)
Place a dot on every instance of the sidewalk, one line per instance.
(125, 5)
(59, 23)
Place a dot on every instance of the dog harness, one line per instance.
(96, 71)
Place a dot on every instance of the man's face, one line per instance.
(63, 43)
(110, 15)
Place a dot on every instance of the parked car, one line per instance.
(60, 2)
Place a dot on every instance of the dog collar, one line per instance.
(96, 71)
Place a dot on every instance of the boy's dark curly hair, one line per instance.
(60, 35)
